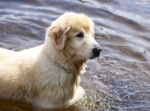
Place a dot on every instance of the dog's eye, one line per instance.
(80, 35)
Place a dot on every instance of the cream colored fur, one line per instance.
(48, 75)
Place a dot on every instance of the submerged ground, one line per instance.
(117, 81)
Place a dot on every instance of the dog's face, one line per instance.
(74, 34)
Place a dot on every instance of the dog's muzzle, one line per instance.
(96, 52)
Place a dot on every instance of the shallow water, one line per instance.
(117, 81)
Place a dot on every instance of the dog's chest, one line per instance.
(58, 87)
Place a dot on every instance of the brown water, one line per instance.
(120, 79)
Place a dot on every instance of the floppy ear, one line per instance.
(58, 34)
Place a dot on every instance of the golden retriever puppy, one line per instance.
(48, 75)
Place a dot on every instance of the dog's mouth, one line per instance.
(86, 58)
(95, 56)
(92, 57)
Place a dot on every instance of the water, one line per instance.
(120, 79)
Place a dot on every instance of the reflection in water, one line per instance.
(120, 79)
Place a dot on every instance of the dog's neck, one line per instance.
(70, 64)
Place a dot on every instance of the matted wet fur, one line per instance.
(48, 75)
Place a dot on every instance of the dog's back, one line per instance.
(7, 72)
(6, 55)
(14, 72)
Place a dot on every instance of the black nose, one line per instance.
(96, 52)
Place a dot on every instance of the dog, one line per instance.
(48, 75)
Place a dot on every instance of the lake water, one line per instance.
(117, 81)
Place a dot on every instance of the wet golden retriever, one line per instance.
(48, 75)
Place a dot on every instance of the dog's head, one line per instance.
(73, 34)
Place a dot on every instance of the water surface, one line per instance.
(117, 81)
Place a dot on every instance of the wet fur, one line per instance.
(48, 75)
